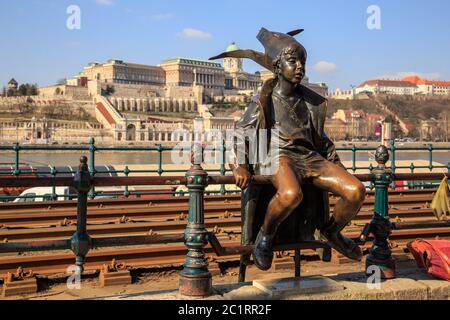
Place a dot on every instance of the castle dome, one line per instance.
(232, 47)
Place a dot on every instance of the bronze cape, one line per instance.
(313, 212)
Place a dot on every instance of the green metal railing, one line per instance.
(160, 150)
(195, 279)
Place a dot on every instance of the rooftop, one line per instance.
(193, 61)
(388, 83)
(410, 81)
(417, 80)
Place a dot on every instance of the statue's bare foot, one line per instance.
(262, 252)
(341, 244)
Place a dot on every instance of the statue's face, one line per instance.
(292, 64)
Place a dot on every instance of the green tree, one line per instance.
(23, 89)
(389, 119)
(110, 89)
(27, 89)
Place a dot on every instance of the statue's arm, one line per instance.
(245, 128)
(329, 151)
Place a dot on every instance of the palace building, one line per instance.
(187, 72)
(118, 71)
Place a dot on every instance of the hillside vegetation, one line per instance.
(405, 107)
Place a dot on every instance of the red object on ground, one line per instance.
(432, 255)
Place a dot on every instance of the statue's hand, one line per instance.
(242, 177)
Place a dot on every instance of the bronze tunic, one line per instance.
(313, 144)
(294, 130)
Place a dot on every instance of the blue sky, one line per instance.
(36, 46)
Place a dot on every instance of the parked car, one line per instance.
(41, 194)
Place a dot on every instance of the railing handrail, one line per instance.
(181, 180)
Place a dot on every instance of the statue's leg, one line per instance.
(352, 193)
(287, 198)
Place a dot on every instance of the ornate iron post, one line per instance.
(81, 242)
(195, 279)
(380, 226)
(92, 149)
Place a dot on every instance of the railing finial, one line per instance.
(382, 155)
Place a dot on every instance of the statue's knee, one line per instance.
(357, 193)
(291, 198)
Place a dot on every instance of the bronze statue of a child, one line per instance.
(305, 153)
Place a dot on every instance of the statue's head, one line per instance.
(283, 55)
(290, 63)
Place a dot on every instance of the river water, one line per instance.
(145, 158)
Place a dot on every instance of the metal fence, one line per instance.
(92, 149)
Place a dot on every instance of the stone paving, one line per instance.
(410, 284)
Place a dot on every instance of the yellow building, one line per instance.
(336, 129)
(187, 72)
(117, 71)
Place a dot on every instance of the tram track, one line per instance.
(55, 214)
(222, 216)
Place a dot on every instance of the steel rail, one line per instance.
(19, 218)
(167, 255)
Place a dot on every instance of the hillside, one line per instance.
(369, 106)
(410, 110)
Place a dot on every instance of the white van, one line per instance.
(40, 194)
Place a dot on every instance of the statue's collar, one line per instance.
(309, 95)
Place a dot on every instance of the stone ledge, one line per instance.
(409, 285)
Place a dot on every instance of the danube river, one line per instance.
(59, 158)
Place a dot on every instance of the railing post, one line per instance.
(126, 171)
(92, 150)
(354, 158)
(393, 164)
(160, 159)
(430, 157)
(16, 171)
(53, 173)
(222, 165)
(195, 279)
(81, 242)
(380, 226)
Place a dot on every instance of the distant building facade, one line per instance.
(336, 129)
(412, 85)
(394, 87)
(357, 123)
(118, 71)
(186, 72)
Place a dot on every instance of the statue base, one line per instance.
(296, 286)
